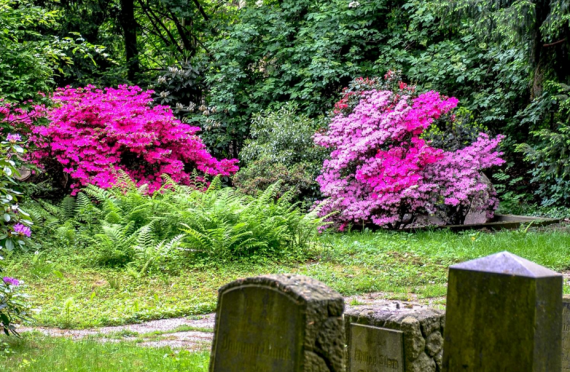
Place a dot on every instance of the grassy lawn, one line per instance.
(38, 353)
(401, 265)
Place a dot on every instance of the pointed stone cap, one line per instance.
(506, 263)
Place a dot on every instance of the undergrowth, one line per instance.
(174, 227)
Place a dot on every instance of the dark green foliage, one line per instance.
(452, 135)
(307, 52)
(549, 153)
(261, 174)
(14, 308)
(282, 149)
(29, 59)
(301, 50)
(180, 87)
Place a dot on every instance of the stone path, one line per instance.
(195, 333)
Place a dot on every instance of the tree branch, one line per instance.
(157, 20)
(555, 43)
(187, 43)
(201, 10)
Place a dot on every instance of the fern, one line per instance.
(125, 226)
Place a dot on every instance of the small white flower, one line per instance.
(259, 3)
(354, 4)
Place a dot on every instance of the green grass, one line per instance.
(38, 353)
(402, 265)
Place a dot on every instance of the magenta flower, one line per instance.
(13, 138)
(11, 281)
(22, 230)
(92, 131)
(381, 171)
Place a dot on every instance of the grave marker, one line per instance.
(504, 313)
(392, 336)
(375, 349)
(278, 323)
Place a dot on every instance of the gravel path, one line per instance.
(195, 333)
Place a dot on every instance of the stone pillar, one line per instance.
(504, 313)
(278, 323)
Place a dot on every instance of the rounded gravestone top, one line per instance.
(297, 286)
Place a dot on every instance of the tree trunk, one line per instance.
(129, 26)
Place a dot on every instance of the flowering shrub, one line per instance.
(381, 171)
(13, 305)
(94, 133)
(14, 221)
(13, 231)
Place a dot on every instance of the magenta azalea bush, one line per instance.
(381, 171)
(94, 133)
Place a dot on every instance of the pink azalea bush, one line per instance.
(381, 171)
(93, 133)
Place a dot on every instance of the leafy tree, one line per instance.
(541, 25)
(30, 60)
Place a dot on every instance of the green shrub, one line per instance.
(260, 174)
(282, 148)
(14, 222)
(124, 226)
(14, 307)
(283, 137)
(14, 232)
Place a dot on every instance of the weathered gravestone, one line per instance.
(375, 349)
(388, 338)
(278, 323)
(504, 313)
(566, 334)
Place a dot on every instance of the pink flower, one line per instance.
(96, 132)
(22, 230)
(11, 281)
(13, 138)
(381, 171)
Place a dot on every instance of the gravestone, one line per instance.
(375, 349)
(566, 334)
(278, 323)
(395, 337)
(504, 313)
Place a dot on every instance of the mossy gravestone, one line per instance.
(504, 313)
(278, 323)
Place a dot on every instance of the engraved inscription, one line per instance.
(375, 359)
(375, 349)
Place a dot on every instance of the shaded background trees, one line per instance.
(218, 63)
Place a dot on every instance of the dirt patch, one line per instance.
(192, 333)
